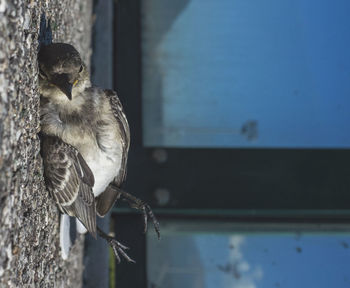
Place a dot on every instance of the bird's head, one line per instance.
(61, 70)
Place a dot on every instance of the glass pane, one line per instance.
(246, 73)
(219, 255)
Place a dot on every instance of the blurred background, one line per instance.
(239, 118)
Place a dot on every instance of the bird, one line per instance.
(85, 143)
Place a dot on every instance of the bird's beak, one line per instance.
(62, 82)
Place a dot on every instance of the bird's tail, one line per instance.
(68, 233)
(45, 34)
(65, 241)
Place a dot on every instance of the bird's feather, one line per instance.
(69, 180)
(65, 240)
(106, 200)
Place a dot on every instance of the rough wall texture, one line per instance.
(29, 220)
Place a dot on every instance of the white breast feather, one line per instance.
(105, 165)
(104, 169)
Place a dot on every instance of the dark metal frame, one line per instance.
(259, 185)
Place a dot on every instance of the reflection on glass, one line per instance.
(246, 73)
(248, 259)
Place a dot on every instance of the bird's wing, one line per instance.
(106, 199)
(123, 124)
(69, 180)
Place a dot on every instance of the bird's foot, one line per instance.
(117, 247)
(144, 208)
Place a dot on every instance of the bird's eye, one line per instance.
(81, 68)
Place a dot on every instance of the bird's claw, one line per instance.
(119, 248)
(145, 208)
(147, 212)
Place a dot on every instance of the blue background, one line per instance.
(246, 73)
(234, 259)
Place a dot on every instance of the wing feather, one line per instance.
(69, 180)
(123, 124)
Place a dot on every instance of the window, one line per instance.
(255, 136)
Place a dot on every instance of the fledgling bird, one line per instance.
(85, 142)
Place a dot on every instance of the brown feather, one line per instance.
(69, 179)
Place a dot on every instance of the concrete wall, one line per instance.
(29, 219)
